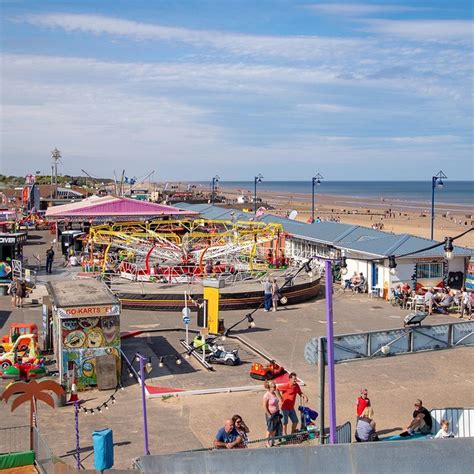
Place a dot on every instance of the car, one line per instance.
(219, 355)
(266, 372)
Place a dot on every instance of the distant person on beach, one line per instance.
(267, 295)
(421, 421)
(227, 437)
(49, 260)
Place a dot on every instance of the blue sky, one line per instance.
(353, 90)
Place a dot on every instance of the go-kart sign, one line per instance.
(186, 316)
(85, 311)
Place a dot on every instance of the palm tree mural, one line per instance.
(31, 392)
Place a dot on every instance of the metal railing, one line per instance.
(14, 439)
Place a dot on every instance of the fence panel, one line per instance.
(14, 439)
(43, 455)
(344, 433)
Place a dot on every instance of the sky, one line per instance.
(375, 90)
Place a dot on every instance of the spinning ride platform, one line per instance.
(241, 295)
(151, 264)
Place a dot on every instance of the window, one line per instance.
(429, 270)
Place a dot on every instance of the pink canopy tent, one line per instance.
(113, 208)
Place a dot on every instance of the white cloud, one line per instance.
(360, 8)
(291, 47)
(330, 108)
(426, 139)
(437, 30)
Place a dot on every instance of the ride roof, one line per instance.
(113, 206)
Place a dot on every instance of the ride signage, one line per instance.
(89, 311)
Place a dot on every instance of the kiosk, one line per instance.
(85, 324)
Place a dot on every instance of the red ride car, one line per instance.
(266, 372)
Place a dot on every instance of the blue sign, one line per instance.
(186, 315)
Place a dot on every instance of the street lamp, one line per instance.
(392, 265)
(214, 182)
(436, 182)
(316, 181)
(448, 248)
(330, 353)
(144, 362)
(257, 179)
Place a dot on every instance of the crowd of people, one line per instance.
(279, 410)
(278, 404)
(420, 422)
(439, 300)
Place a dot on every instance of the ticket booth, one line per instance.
(85, 321)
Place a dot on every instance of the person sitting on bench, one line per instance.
(445, 303)
(350, 282)
(359, 287)
(421, 422)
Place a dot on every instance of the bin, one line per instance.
(103, 449)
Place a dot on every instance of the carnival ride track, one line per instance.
(168, 241)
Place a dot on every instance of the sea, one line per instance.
(452, 192)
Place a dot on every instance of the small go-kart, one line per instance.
(219, 355)
(266, 372)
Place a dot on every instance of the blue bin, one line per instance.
(103, 449)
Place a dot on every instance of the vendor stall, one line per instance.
(85, 325)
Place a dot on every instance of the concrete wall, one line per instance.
(427, 456)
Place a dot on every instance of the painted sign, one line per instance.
(85, 338)
(88, 311)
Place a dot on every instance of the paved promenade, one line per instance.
(440, 379)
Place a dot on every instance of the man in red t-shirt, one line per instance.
(288, 393)
(362, 402)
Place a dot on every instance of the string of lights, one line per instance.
(103, 406)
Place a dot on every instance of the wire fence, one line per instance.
(14, 439)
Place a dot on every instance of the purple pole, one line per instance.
(330, 353)
(78, 449)
(142, 381)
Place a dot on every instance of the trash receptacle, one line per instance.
(103, 449)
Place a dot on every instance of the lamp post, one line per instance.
(257, 179)
(143, 361)
(436, 182)
(316, 181)
(214, 182)
(330, 353)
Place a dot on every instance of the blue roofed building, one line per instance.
(366, 250)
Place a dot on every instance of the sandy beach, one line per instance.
(396, 216)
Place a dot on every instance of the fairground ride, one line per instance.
(175, 251)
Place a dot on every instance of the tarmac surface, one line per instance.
(440, 379)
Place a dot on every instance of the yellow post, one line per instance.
(211, 294)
